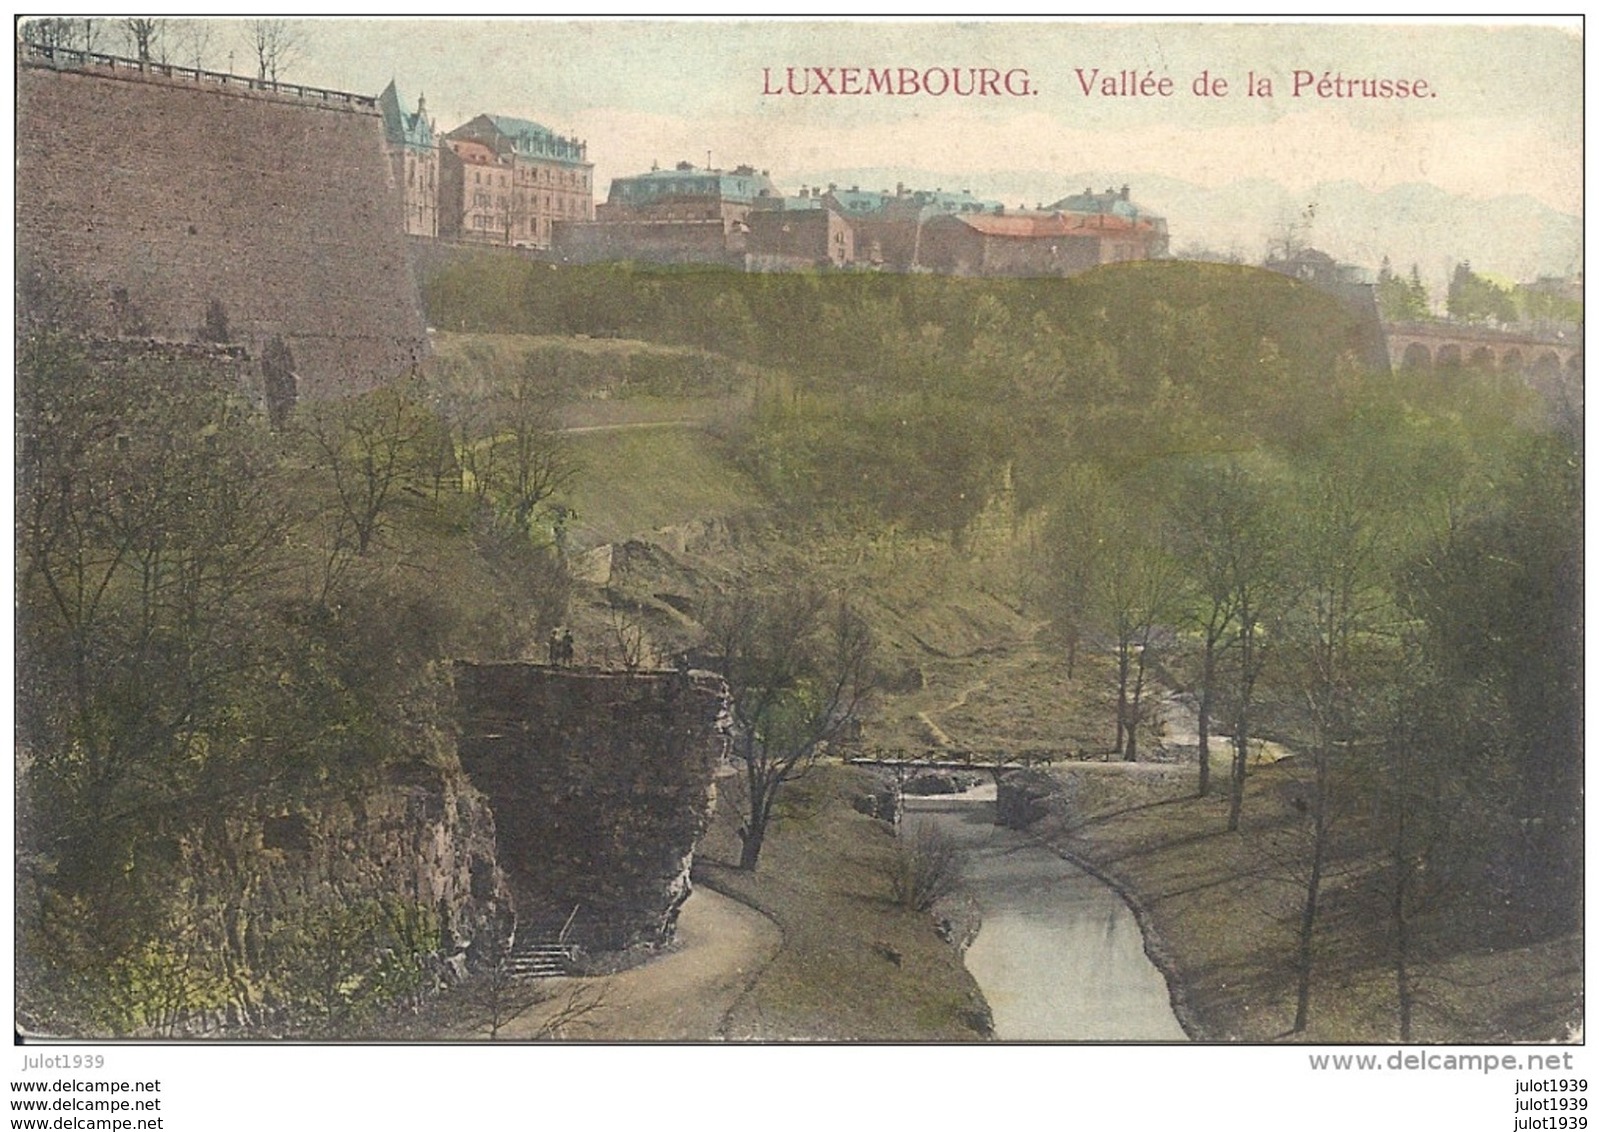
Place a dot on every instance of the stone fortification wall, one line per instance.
(152, 196)
(601, 785)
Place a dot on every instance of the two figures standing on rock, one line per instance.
(562, 650)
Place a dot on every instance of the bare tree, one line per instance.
(512, 449)
(1335, 648)
(1139, 592)
(626, 632)
(1213, 506)
(192, 39)
(145, 38)
(51, 32)
(926, 868)
(374, 450)
(799, 665)
(76, 35)
(1075, 554)
(276, 45)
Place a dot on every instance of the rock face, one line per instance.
(406, 863)
(1023, 798)
(429, 842)
(179, 207)
(601, 785)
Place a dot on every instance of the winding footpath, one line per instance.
(680, 996)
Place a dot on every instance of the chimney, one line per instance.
(1125, 191)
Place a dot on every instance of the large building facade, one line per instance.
(684, 214)
(509, 181)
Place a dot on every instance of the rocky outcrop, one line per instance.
(1023, 798)
(429, 842)
(601, 785)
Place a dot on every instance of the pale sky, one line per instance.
(1501, 118)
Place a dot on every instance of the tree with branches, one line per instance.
(76, 35)
(799, 664)
(146, 38)
(276, 46)
(512, 449)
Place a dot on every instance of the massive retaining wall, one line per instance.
(152, 195)
(601, 785)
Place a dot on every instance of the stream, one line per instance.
(1060, 956)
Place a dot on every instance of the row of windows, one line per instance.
(485, 200)
(482, 198)
(483, 223)
(567, 178)
(534, 174)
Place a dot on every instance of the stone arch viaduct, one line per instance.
(1429, 346)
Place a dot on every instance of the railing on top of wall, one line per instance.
(71, 57)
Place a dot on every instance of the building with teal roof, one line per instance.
(414, 154)
(539, 178)
(743, 185)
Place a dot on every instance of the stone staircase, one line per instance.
(538, 960)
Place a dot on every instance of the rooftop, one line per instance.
(744, 183)
(1111, 202)
(1040, 225)
(402, 127)
(522, 138)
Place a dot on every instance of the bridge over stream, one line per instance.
(942, 759)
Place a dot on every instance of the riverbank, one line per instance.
(1219, 911)
(852, 965)
(1060, 956)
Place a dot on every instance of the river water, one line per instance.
(1060, 956)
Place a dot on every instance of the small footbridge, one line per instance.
(913, 761)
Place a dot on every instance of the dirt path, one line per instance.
(684, 994)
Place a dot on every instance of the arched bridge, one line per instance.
(1445, 345)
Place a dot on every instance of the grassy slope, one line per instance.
(633, 481)
(853, 966)
(1223, 908)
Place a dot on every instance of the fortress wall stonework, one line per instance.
(151, 197)
(601, 785)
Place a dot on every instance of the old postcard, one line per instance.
(799, 531)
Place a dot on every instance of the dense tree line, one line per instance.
(922, 391)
